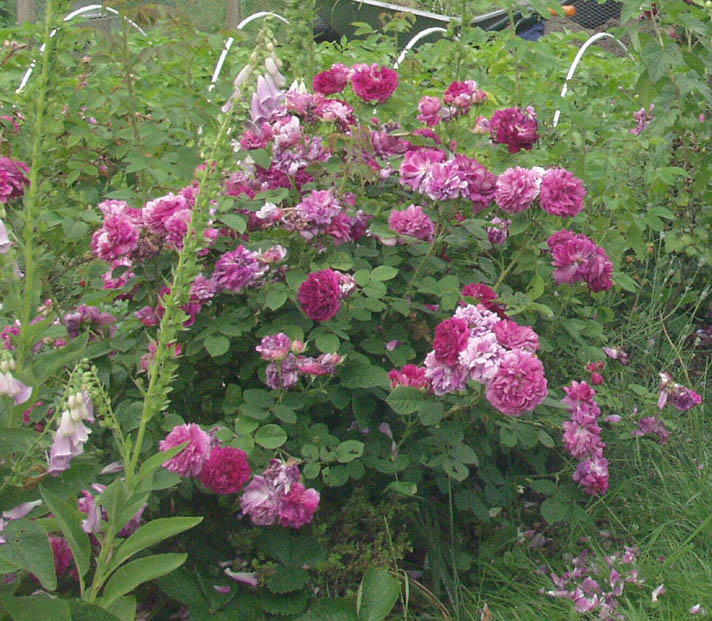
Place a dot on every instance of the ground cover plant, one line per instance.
(334, 340)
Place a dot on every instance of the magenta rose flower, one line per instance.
(331, 81)
(517, 188)
(12, 179)
(413, 222)
(519, 385)
(320, 295)
(226, 470)
(561, 193)
(372, 83)
(451, 337)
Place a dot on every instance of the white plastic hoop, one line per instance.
(421, 35)
(231, 40)
(577, 59)
(90, 11)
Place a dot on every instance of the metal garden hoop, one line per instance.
(231, 40)
(577, 59)
(89, 11)
(421, 35)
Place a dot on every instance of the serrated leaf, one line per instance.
(430, 412)
(270, 436)
(464, 454)
(127, 577)
(284, 604)
(287, 579)
(405, 399)
(554, 510)
(377, 594)
(182, 586)
(330, 610)
(151, 533)
(545, 439)
(290, 549)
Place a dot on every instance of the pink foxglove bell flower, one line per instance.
(11, 386)
(69, 439)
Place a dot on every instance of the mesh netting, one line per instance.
(590, 14)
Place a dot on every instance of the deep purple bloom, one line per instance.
(515, 127)
(320, 295)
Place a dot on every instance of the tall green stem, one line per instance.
(32, 286)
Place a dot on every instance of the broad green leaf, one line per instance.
(270, 436)
(217, 345)
(124, 608)
(377, 594)
(348, 451)
(276, 298)
(430, 412)
(36, 607)
(156, 461)
(384, 272)
(27, 547)
(16, 440)
(545, 439)
(327, 343)
(234, 221)
(69, 520)
(84, 611)
(261, 157)
(406, 488)
(151, 533)
(127, 577)
(291, 549)
(114, 499)
(455, 469)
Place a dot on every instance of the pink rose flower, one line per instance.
(520, 384)
(561, 193)
(413, 222)
(409, 375)
(517, 188)
(189, 462)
